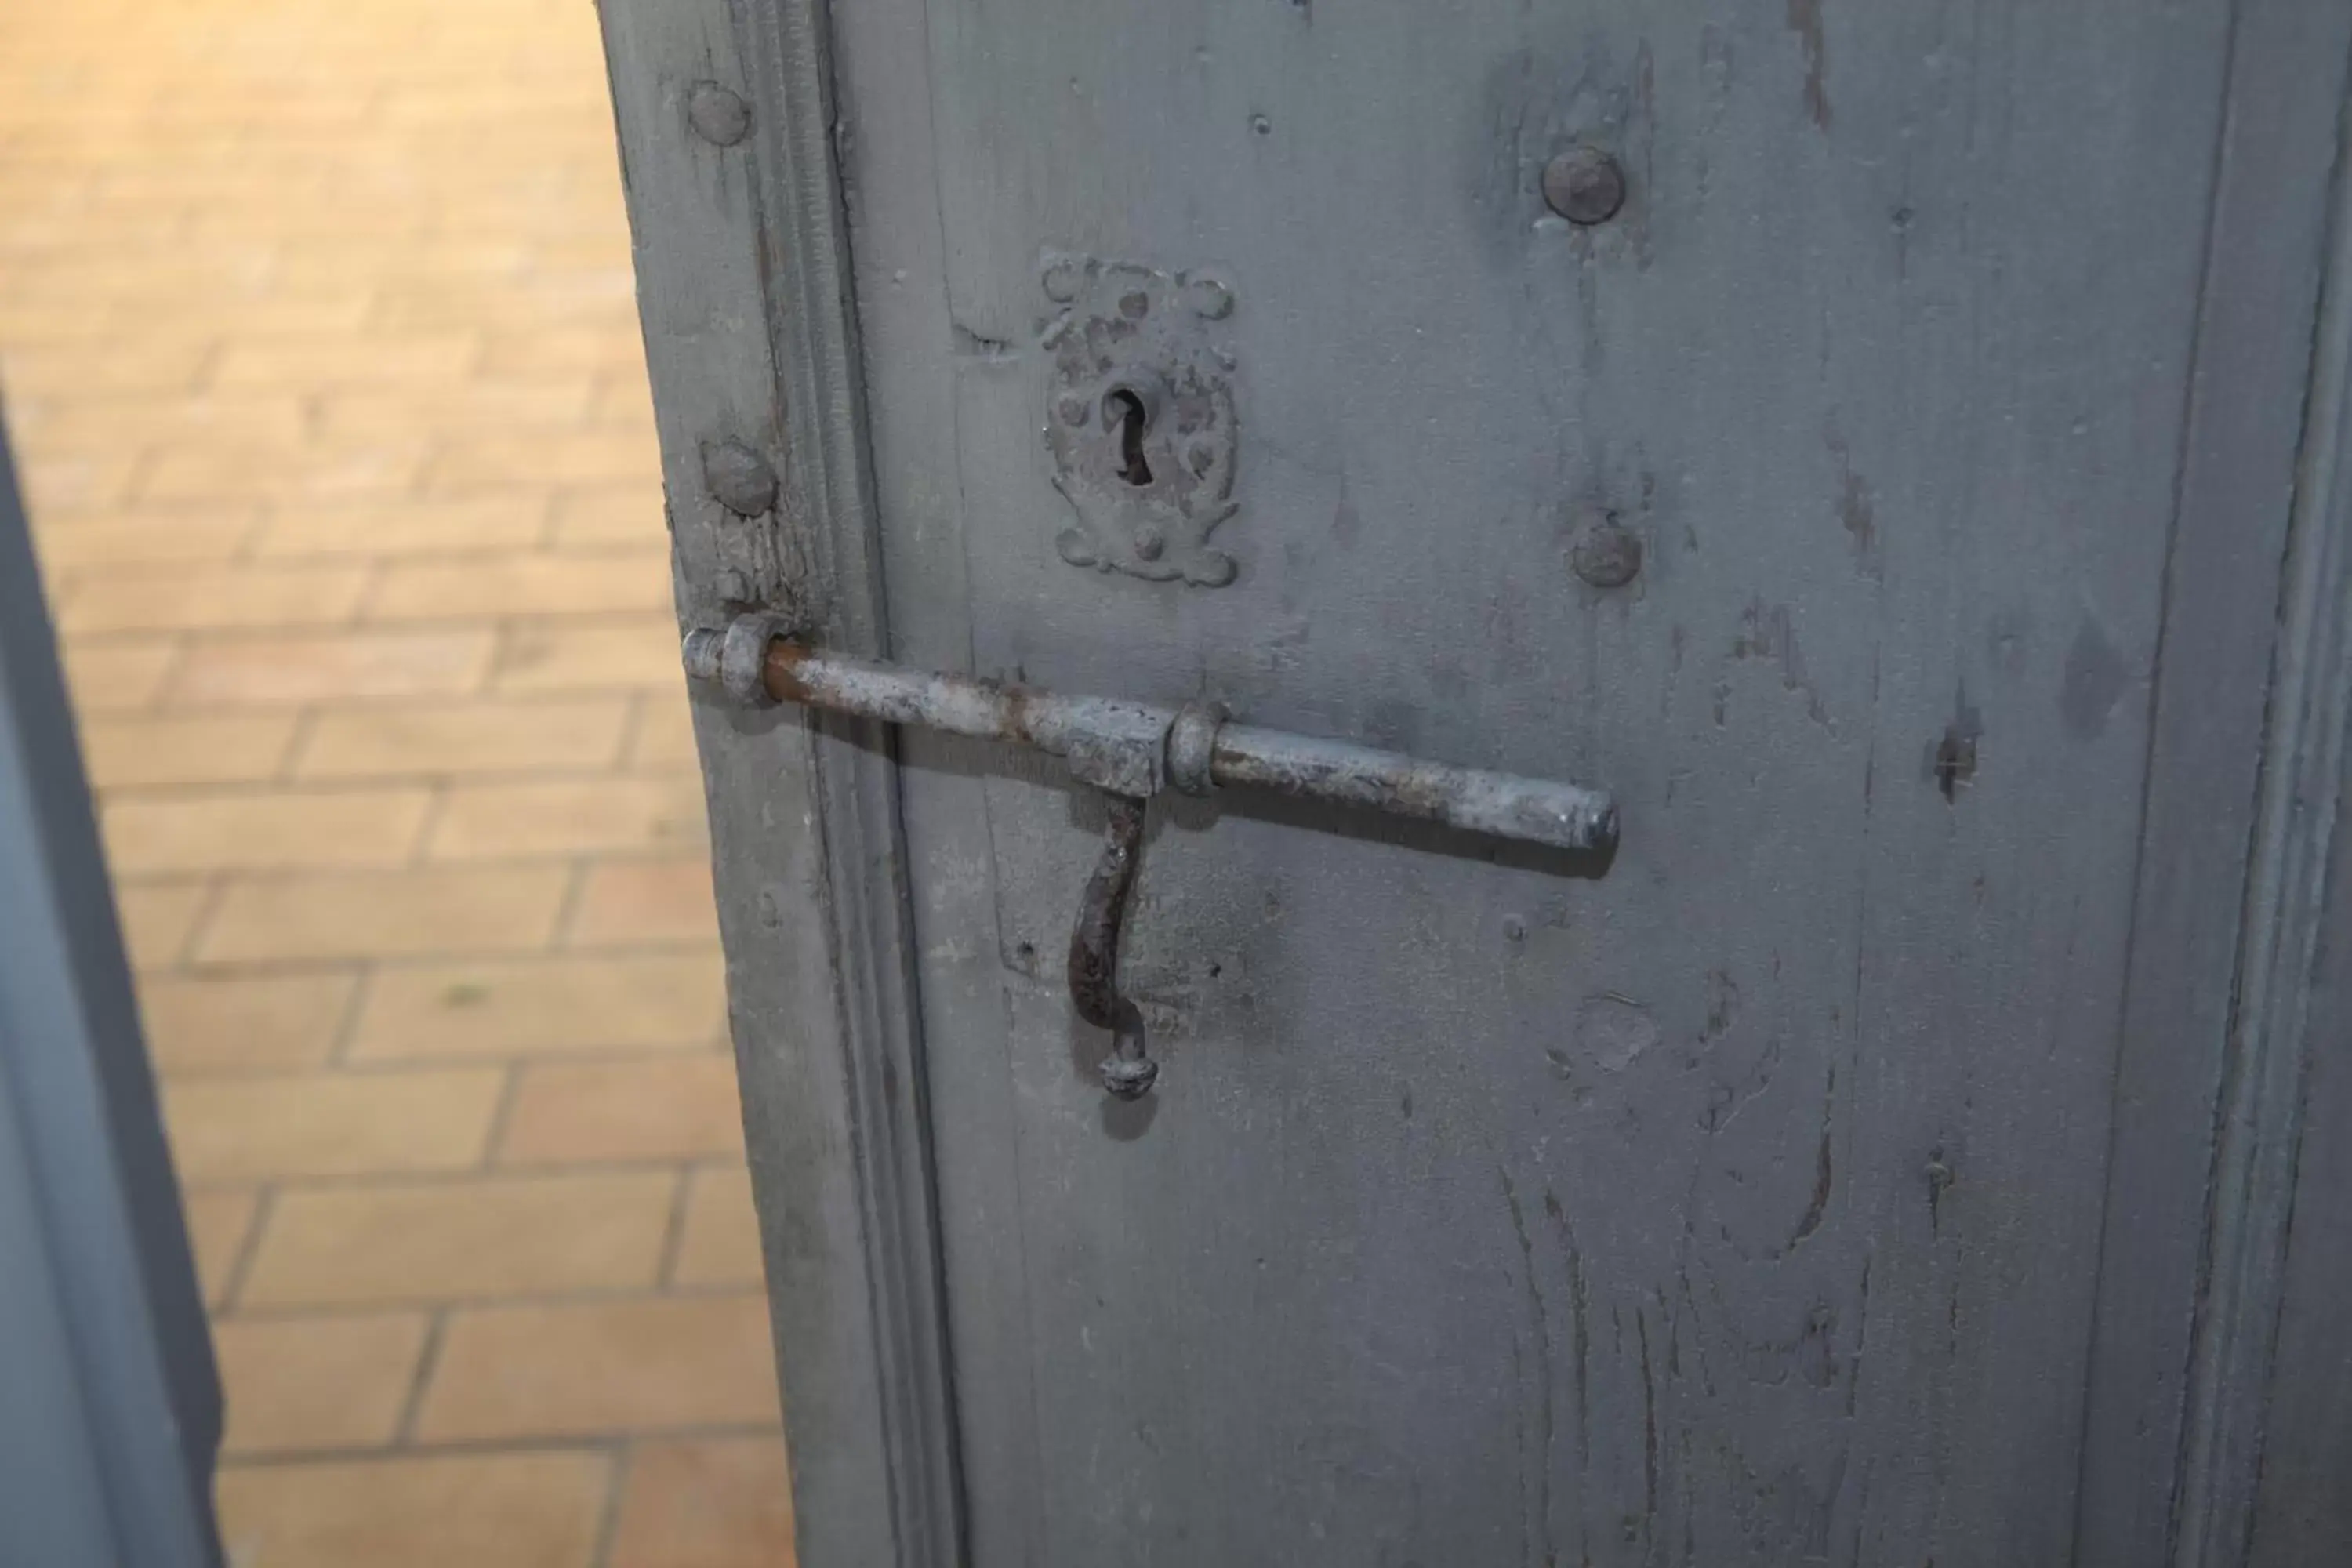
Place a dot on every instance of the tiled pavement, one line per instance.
(316, 337)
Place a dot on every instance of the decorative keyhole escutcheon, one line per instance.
(1139, 418)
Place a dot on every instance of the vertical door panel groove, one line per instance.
(2267, 1058)
(2259, 345)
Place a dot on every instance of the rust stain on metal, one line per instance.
(1128, 1071)
(1018, 723)
(783, 672)
(1094, 941)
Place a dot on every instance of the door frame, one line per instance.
(751, 340)
(744, 227)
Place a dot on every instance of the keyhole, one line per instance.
(1124, 410)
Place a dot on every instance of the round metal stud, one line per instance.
(1607, 554)
(740, 478)
(719, 115)
(1584, 185)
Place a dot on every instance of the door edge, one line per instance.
(738, 218)
(2248, 705)
(2259, 1117)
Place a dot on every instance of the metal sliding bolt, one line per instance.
(1135, 748)
(1130, 752)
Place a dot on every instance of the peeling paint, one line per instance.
(1766, 633)
(1856, 510)
(1612, 1030)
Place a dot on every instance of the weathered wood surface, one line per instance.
(1747, 1205)
(1762, 1199)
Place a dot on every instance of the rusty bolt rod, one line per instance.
(1506, 806)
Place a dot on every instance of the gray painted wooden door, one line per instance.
(1831, 1175)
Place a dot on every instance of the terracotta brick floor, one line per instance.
(317, 342)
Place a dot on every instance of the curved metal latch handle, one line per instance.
(1129, 751)
(1128, 1071)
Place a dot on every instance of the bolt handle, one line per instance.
(1128, 1071)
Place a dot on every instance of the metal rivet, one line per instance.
(719, 116)
(1072, 411)
(1607, 554)
(1150, 542)
(1261, 124)
(1584, 185)
(740, 478)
